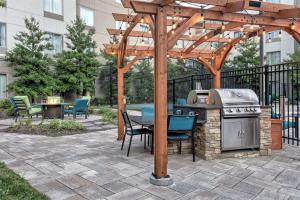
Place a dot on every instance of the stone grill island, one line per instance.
(241, 128)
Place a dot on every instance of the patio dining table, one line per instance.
(145, 122)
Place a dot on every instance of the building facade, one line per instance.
(53, 16)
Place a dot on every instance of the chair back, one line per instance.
(88, 98)
(181, 122)
(126, 120)
(148, 112)
(22, 104)
(80, 105)
(181, 102)
(54, 99)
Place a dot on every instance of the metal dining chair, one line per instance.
(179, 127)
(132, 132)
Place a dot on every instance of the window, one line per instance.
(3, 86)
(237, 34)
(273, 1)
(274, 58)
(2, 35)
(57, 43)
(87, 15)
(53, 6)
(272, 35)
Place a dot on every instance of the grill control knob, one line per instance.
(238, 110)
(229, 110)
(246, 110)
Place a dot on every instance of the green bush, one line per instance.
(64, 125)
(108, 114)
(6, 106)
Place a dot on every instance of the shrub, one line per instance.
(108, 114)
(6, 107)
(64, 125)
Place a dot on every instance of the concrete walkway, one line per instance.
(92, 166)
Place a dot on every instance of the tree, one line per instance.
(141, 83)
(294, 57)
(76, 68)
(247, 56)
(31, 65)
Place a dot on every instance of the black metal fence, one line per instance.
(275, 85)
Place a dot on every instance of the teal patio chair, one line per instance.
(285, 124)
(181, 127)
(132, 132)
(181, 102)
(80, 107)
(24, 108)
(147, 114)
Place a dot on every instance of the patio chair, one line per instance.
(15, 109)
(285, 124)
(132, 132)
(24, 108)
(181, 127)
(80, 107)
(181, 102)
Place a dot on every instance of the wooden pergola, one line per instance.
(196, 23)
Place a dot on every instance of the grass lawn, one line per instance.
(14, 187)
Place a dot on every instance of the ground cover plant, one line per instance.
(51, 128)
(109, 115)
(6, 108)
(14, 187)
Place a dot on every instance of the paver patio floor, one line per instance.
(92, 166)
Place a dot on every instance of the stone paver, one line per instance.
(92, 166)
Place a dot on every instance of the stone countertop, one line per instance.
(203, 106)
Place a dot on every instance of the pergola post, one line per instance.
(160, 175)
(217, 79)
(120, 99)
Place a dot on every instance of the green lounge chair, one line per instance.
(24, 108)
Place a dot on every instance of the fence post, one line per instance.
(173, 91)
(266, 84)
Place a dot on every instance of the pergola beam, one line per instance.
(187, 12)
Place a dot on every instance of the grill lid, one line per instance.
(232, 97)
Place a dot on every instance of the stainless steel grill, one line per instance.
(239, 117)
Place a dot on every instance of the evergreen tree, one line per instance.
(141, 79)
(31, 65)
(247, 56)
(77, 68)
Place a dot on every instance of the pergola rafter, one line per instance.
(196, 24)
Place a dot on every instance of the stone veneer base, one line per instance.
(208, 139)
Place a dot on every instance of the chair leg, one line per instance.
(86, 115)
(193, 149)
(141, 137)
(144, 141)
(123, 141)
(129, 145)
(148, 140)
(180, 146)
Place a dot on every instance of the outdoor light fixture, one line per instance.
(230, 40)
(193, 46)
(173, 25)
(135, 51)
(242, 28)
(148, 54)
(142, 19)
(190, 34)
(251, 26)
(172, 31)
(121, 33)
(168, 55)
(205, 37)
(221, 35)
(223, 26)
(293, 26)
(224, 48)
(244, 36)
(202, 17)
(149, 31)
(181, 56)
(113, 52)
(264, 31)
(203, 30)
(200, 57)
(128, 25)
(269, 40)
(280, 34)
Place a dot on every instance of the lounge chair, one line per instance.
(24, 108)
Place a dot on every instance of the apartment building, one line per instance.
(53, 16)
(278, 44)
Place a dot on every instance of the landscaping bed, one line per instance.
(14, 187)
(109, 115)
(53, 128)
